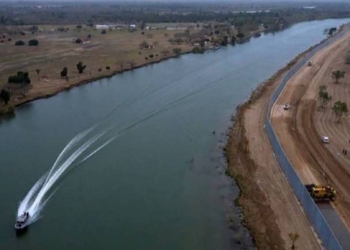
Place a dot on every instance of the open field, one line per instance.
(116, 49)
(270, 207)
(300, 128)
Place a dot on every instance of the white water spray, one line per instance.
(87, 143)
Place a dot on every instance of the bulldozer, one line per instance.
(321, 193)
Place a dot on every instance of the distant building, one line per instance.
(102, 27)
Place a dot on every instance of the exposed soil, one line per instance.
(270, 208)
(117, 50)
(300, 129)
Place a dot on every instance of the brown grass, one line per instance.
(57, 50)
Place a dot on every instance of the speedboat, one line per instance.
(21, 221)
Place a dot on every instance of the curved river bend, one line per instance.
(160, 184)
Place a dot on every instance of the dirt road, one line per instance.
(270, 207)
(300, 128)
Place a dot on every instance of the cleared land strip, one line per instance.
(271, 209)
(295, 128)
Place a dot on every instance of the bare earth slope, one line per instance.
(271, 209)
(300, 128)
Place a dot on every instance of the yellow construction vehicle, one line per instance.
(321, 193)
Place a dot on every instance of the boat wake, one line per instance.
(87, 143)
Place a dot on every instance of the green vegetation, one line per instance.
(19, 43)
(33, 42)
(177, 51)
(21, 78)
(5, 96)
(340, 109)
(81, 67)
(64, 72)
(323, 96)
(198, 50)
(293, 237)
(338, 75)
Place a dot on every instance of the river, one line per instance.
(160, 184)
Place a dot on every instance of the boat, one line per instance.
(21, 221)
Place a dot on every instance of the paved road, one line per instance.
(337, 225)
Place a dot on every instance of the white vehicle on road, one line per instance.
(286, 106)
(325, 139)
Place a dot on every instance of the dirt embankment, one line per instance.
(270, 208)
(300, 129)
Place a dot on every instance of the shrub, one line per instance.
(146, 58)
(33, 42)
(198, 50)
(19, 43)
(108, 68)
(103, 32)
(151, 56)
(156, 55)
(10, 39)
(99, 70)
(78, 40)
(21, 77)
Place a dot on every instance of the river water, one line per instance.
(160, 184)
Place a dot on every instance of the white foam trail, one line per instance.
(94, 138)
(41, 192)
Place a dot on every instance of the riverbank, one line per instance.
(271, 211)
(67, 85)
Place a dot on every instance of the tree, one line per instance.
(323, 96)
(33, 42)
(340, 108)
(64, 72)
(81, 67)
(176, 50)
(21, 77)
(19, 43)
(37, 71)
(34, 28)
(78, 41)
(144, 45)
(165, 52)
(240, 35)
(132, 64)
(142, 25)
(5, 96)
(293, 237)
(337, 75)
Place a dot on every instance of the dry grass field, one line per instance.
(56, 49)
